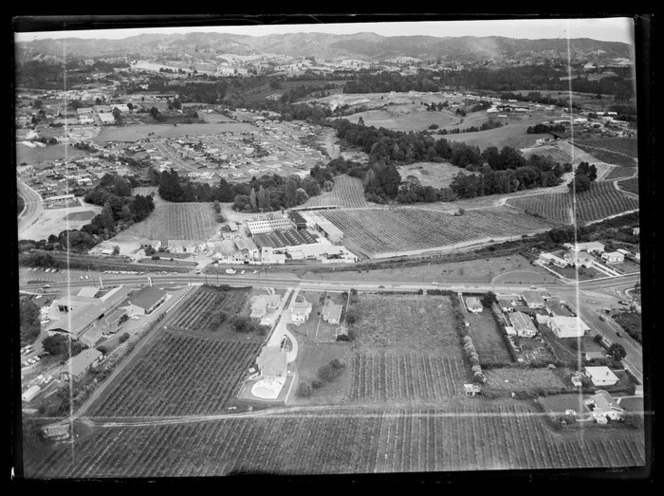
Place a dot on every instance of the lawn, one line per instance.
(487, 338)
(408, 322)
(135, 133)
(311, 357)
(524, 379)
(559, 403)
(47, 154)
(430, 173)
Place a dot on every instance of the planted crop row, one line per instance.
(602, 200)
(461, 436)
(411, 377)
(382, 230)
(201, 376)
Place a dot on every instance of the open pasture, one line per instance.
(487, 338)
(178, 375)
(388, 231)
(33, 156)
(437, 175)
(177, 221)
(519, 379)
(601, 201)
(139, 132)
(408, 323)
(462, 436)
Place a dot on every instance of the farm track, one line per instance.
(464, 434)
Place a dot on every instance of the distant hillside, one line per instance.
(366, 46)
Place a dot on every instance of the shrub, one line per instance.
(124, 337)
(316, 384)
(304, 389)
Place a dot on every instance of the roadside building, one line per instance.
(590, 247)
(146, 300)
(534, 299)
(77, 366)
(248, 250)
(473, 304)
(30, 393)
(601, 376)
(522, 325)
(613, 257)
(300, 310)
(550, 258)
(332, 312)
(567, 327)
(579, 259)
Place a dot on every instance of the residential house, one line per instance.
(613, 257)
(577, 259)
(604, 407)
(591, 247)
(522, 325)
(300, 310)
(30, 393)
(260, 304)
(332, 312)
(473, 304)
(550, 258)
(567, 327)
(534, 299)
(77, 366)
(601, 376)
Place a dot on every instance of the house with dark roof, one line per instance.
(146, 300)
(604, 407)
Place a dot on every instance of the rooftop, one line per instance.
(146, 297)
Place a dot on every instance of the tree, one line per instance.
(252, 200)
(580, 184)
(304, 389)
(586, 169)
(264, 199)
(617, 351)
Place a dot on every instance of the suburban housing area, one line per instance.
(314, 254)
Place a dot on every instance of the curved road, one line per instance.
(33, 206)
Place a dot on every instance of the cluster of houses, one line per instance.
(591, 254)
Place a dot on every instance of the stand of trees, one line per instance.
(490, 171)
(584, 175)
(264, 194)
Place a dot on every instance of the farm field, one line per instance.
(48, 153)
(487, 338)
(620, 173)
(389, 232)
(177, 221)
(462, 435)
(618, 151)
(603, 200)
(408, 118)
(201, 376)
(518, 379)
(402, 376)
(631, 185)
(346, 192)
(201, 313)
(383, 320)
(138, 132)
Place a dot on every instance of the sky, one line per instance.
(604, 29)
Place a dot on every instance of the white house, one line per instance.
(550, 258)
(533, 299)
(604, 407)
(601, 376)
(580, 259)
(300, 310)
(590, 247)
(473, 304)
(613, 257)
(567, 327)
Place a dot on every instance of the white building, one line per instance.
(567, 327)
(613, 257)
(601, 376)
(473, 304)
(269, 225)
(522, 325)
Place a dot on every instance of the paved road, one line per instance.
(578, 296)
(33, 206)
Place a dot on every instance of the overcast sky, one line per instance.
(605, 29)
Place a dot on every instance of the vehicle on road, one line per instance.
(602, 318)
